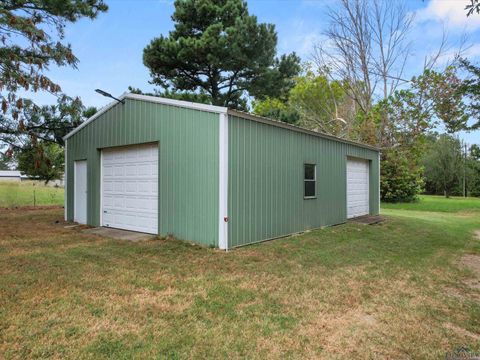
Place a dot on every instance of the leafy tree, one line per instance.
(42, 160)
(444, 164)
(31, 33)
(402, 124)
(217, 48)
(276, 109)
(48, 123)
(406, 117)
(401, 180)
(475, 152)
(445, 92)
(314, 102)
(432, 99)
(322, 104)
(471, 89)
(473, 177)
(473, 171)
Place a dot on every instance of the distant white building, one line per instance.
(10, 175)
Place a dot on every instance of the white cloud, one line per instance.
(451, 12)
(299, 36)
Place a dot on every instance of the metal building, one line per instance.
(211, 175)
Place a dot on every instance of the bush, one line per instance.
(401, 177)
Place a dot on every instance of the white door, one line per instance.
(80, 192)
(130, 188)
(357, 187)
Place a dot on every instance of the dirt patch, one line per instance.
(31, 208)
(472, 262)
(368, 219)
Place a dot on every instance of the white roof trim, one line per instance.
(179, 103)
(152, 99)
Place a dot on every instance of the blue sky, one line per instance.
(110, 47)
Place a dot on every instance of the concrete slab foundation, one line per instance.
(119, 234)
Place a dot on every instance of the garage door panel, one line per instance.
(144, 222)
(130, 170)
(130, 188)
(357, 187)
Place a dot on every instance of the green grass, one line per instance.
(28, 193)
(437, 204)
(393, 290)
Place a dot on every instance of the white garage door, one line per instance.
(357, 188)
(130, 188)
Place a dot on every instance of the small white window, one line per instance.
(309, 180)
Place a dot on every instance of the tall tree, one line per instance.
(32, 39)
(31, 34)
(405, 119)
(445, 92)
(217, 48)
(471, 89)
(368, 47)
(431, 99)
(473, 171)
(444, 164)
(401, 179)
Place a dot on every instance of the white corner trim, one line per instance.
(101, 187)
(379, 183)
(152, 99)
(223, 181)
(65, 182)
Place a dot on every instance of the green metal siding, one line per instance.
(265, 192)
(188, 163)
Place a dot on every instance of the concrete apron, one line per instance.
(119, 234)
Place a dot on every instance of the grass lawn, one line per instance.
(438, 204)
(394, 290)
(22, 194)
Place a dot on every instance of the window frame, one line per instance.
(314, 180)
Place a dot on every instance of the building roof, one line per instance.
(218, 110)
(10, 173)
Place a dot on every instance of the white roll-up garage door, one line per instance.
(130, 188)
(357, 187)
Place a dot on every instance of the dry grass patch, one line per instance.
(352, 291)
(477, 234)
